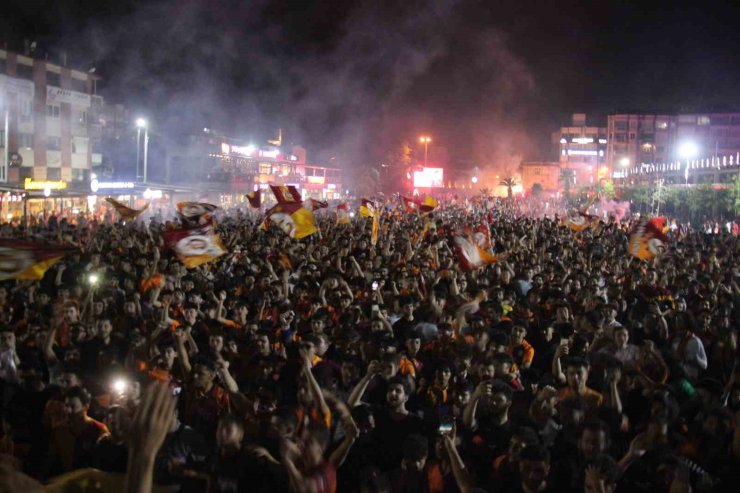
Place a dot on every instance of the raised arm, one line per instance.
(356, 395)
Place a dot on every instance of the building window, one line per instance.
(632, 136)
(621, 137)
(620, 125)
(52, 111)
(720, 120)
(661, 125)
(78, 174)
(80, 117)
(53, 144)
(53, 79)
(78, 85)
(702, 120)
(24, 107)
(24, 71)
(53, 173)
(25, 172)
(25, 140)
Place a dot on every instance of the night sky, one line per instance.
(489, 81)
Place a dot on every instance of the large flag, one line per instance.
(126, 213)
(294, 219)
(343, 213)
(194, 211)
(286, 194)
(647, 240)
(580, 221)
(21, 259)
(470, 255)
(195, 246)
(255, 199)
(416, 205)
(482, 236)
(317, 204)
(367, 208)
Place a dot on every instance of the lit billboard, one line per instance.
(429, 178)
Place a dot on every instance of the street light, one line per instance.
(142, 124)
(425, 140)
(688, 150)
(624, 162)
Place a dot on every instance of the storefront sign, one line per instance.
(59, 95)
(96, 185)
(31, 184)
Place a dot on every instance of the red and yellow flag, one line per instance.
(28, 260)
(195, 246)
(193, 211)
(255, 199)
(126, 213)
(317, 204)
(580, 221)
(410, 205)
(374, 232)
(647, 240)
(367, 208)
(470, 255)
(428, 205)
(286, 194)
(294, 219)
(343, 213)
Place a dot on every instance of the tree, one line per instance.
(567, 177)
(509, 183)
(485, 191)
(537, 189)
(733, 197)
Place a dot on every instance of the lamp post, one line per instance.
(425, 140)
(142, 124)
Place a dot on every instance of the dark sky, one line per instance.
(488, 79)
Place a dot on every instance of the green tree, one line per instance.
(537, 189)
(509, 183)
(485, 191)
(733, 195)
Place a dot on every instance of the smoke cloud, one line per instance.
(344, 80)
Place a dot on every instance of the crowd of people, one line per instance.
(331, 364)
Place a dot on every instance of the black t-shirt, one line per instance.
(390, 433)
(229, 473)
(110, 457)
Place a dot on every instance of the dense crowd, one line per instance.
(329, 364)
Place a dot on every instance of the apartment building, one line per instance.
(582, 148)
(49, 128)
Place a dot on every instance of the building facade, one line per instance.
(635, 139)
(547, 174)
(50, 130)
(582, 148)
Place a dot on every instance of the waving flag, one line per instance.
(367, 208)
(194, 246)
(20, 259)
(255, 199)
(579, 222)
(126, 213)
(343, 213)
(470, 255)
(374, 231)
(286, 194)
(295, 220)
(195, 210)
(317, 204)
(647, 240)
(428, 205)
(410, 205)
(482, 236)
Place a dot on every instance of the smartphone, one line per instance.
(374, 309)
(375, 285)
(445, 425)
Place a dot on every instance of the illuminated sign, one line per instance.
(30, 184)
(152, 194)
(272, 154)
(331, 186)
(583, 140)
(317, 180)
(576, 152)
(96, 185)
(429, 178)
